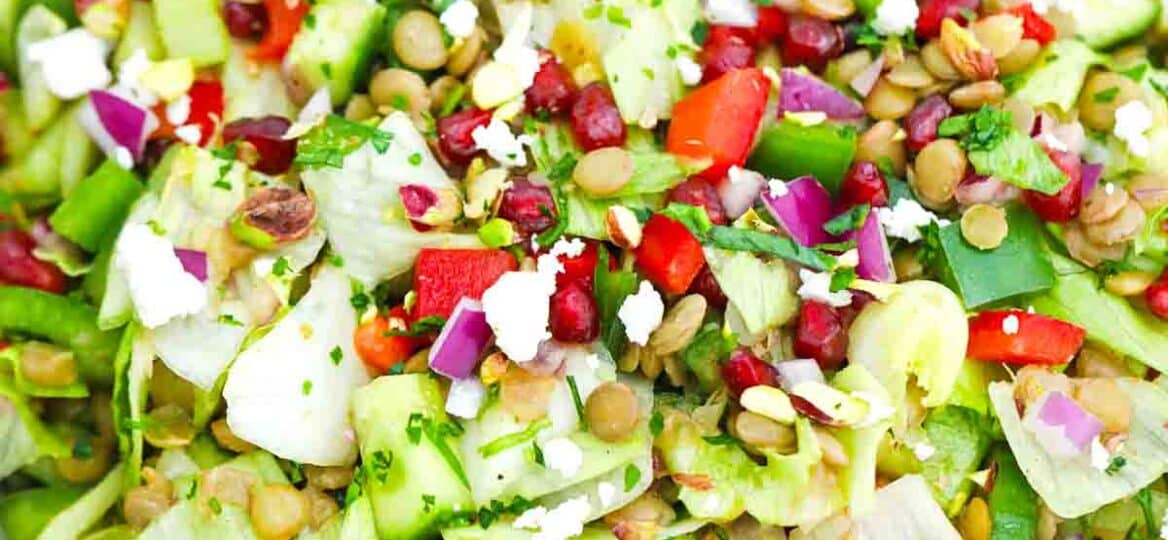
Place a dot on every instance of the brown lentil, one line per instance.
(1020, 58)
(937, 62)
(418, 40)
(612, 411)
(1124, 226)
(1095, 111)
(466, 55)
(974, 95)
(679, 326)
(48, 365)
(938, 169)
(400, 89)
(984, 226)
(911, 73)
(278, 511)
(227, 439)
(888, 101)
(881, 141)
(1106, 401)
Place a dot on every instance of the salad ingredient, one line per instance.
(680, 325)
(96, 207)
(770, 402)
(1017, 337)
(745, 370)
(282, 21)
(192, 30)
(379, 350)
(718, 121)
(939, 167)
(641, 313)
(573, 316)
(528, 205)
(454, 134)
(121, 125)
(921, 123)
(789, 149)
(401, 89)
(669, 255)
(1058, 76)
(245, 20)
(1013, 505)
(335, 51)
(864, 184)
(274, 153)
(805, 92)
(1060, 425)
(888, 101)
(552, 91)
(801, 207)
(724, 51)
(702, 194)
(86, 511)
(760, 293)
(462, 342)
(442, 277)
(278, 511)
(272, 217)
(882, 144)
(984, 226)
(163, 290)
(611, 411)
(19, 266)
(1104, 400)
(960, 439)
(604, 171)
(811, 41)
(920, 517)
(875, 256)
(64, 321)
(40, 25)
(417, 40)
(1156, 296)
(596, 122)
(822, 334)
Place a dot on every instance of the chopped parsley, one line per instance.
(851, 220)
(306, 387)
(415, 159)
(616, 15)
(213, 503)
(336, 260)
(420, 327)
(1106, 96)
(427, 503)
(656, 423)
(328, 144)
(281, 267)
(229, 320)
(632, 476)
(380, 463)
(576, 400)
(537, 454)
(419, 426)
(83, 448)
(1117, 463)
(336, 355)
(517, 438)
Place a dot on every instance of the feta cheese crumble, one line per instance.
(130, 79)
(568, 248)
(906, 218)
(123, 157)
(459, 18)
(923, 450)
(817, 286)
(1010, 325)
(73, 63)
(691, 72)
(560, 523)
(160, 288)
(563, 456)
(1132, 122)
(190, 134)
(641, 313)
(606, 493)
(466, 397)
(502, 145)
(1073, 7)
(778, 188)
(516, 307)
(1100, 457)
(742, 13)
(179, 110)
(896, 17)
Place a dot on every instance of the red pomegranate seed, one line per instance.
(811, 42)
(528, 206)
(19, 267)
(821, 334)
(935, 11)
(706, 285)
(574, 317)
(596, 122)
(454, 134)
(552, 91)
(581, 268)
(245, 20)
(1157, 296)
(697, 192)
(723, 51)
(266, 134)
(1064, 205)
(921, 123)
(744, 370)
(864, 184)
(772, 24)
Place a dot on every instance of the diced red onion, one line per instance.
(978, 189)
(739, 192)
(806, 92)
(1091, 172)
(1061, 426)
(462, 342)
(194, 262)
(114, 122)
(863, 82)
(793, 372)
(875, 255)
(801, 210)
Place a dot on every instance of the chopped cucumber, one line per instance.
(252, 90)
(336, 49)
(141, 33)
(1103, 23)
(14, 130)
(78, 153)
(192, 29)
(40, 105)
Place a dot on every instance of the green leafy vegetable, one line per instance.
(981, 130)
(612, 287)
(760, 294)
(735, 239)
(961, 439)
(559, 175)
(328, 144)
(1013, 504)
(514, 439)
(851, 220)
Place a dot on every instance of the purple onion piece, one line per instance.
(124, 120)
(194, 262)
(806, 92)
(875, 255)
(462, 342)
(801, 210)
(1091, 172)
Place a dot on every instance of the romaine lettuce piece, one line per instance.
(960, 438)
(24, 437)
(905, 511)
(858, 478)
(85, 512)
(1057, 78)
(760, 293)
(288, 392)
(360, 208)
(1072, 488)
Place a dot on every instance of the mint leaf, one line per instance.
(851, 220)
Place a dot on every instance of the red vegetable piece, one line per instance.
(822, 334)
(596, 121)
(772, 25)
(206, 111)
(718, 121)
(581, 268)
(744, 370)
(283, 24)
(1034, 26)
(18, 266)
(864, 184)
(1064, 205)
(1157, 296)
(574, 316)
(454, 134)
(669, 255)
(380, 351)
(443, 276)
(1019, 337)
(935, 11)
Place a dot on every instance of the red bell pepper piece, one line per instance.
(718, 121)
(206, 111)
(1034, 26)
(380, 351)
(669, 255)
(283, 24)
(443, 276)
(1019, 337)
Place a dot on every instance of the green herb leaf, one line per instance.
(306, 387)
(721, 439)
(558, 174)
(1136, 73)
(632, 476)
(229, 320)
(699, 31)
(1117, 463)
(537, 454)
(83, 447)
(981, 130)
(517, 438)
(851, 220)
(328, 144)
(335, 355)
(842, 279)
(612, 287)
(735, 239)
(1106, 96)
(656, 423)
(380, 464)
(576, 400)
(281, 267)
(420, 327)
(214, 505)
(427, 503)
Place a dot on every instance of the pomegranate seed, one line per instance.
(552, 91)
(935, 11)
(19, 267)
(921, 123)
(574, 317)
(744, 370)
(772, 24)
(266, 135)
(244, 20)
(811, 42)
(724, 51)
(454, 134)
(1064, 205)
(1157, 296)
(864, 184)
(698, 192)
(581, 268)
(821, 334)
(596, 121)
(706, 285)
(528, 206)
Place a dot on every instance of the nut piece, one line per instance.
(971, 59)
(273, 216)
(623, 228)
(679, 325)
(604, 171)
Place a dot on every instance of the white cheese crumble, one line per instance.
(1074, 7)
(778, 188)
(466, 397)
(923, 450)
(742, 13)
(190, 134)
(459, 19)
(563, 456)
(318, 108)
(570, 249)
(515, 52)
(1132, 122)
(691, 72)
(560, 523)
(502, 145)
(73, 63)
(896, 17)
(817, 286)
(641, 313)
(123, 157)
(1010, 325)
(738, 175)
(179, 110)
(906, 218)
(160, 288)
(516, 307)
(130, 79)
(606, 493)
(1100, 457)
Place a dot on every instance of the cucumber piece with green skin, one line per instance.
(251, 90)
(97, 208)
(15, 135)
(141, 33)
(1103, 23)
(192, 29)
(404, 504)
(336, 50)
(40, 105)
(36, 178)
(64, 321)
(78, 153)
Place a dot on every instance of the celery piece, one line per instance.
(97, 206)
(64, 321)
(789, 150)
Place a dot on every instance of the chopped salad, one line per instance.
(598, 269)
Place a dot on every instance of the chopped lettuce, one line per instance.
(133, 367)
(759, 293)
(23, 514)
(960, 438)
(1019, 160)
(1073, 487)
(1152, 241)
(287, 392)
(185, 521)
(116, 309)
(199, 347)
(587, 215)
(85, 512)
(360, 208)
(858, 477)
(251, 89)
(1057, 78)
(24, 437)
(905, 511)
